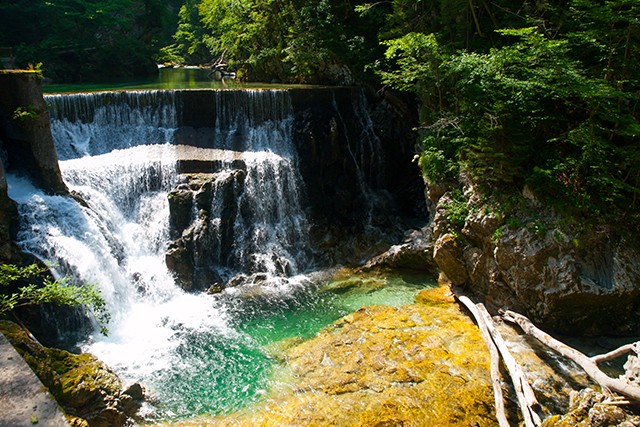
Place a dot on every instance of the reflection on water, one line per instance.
(168, 78)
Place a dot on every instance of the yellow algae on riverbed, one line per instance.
(418, 365)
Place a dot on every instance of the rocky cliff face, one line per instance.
(584, 281)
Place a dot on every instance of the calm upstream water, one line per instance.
(196, 353)
(168, 78)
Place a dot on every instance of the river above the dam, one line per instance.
(168, 78)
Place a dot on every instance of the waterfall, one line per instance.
(88, 124)
(232, 154)
(116, 235)
(252, 128)
(117, 155)
(270, 228)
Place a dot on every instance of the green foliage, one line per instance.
(540, 93)
(16, 291)
(537, 93)
(86, 39)
(25, 114)
(456, 209)
(313, 41)
(419, 58)
(552, 105)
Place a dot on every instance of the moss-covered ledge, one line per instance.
(89, 392)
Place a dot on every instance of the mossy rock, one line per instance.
(440, 295)
(83, 380)
(84, 387)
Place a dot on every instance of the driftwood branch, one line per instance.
(614, 354)
(495, 359)
(529, 405)
(621, 387)
(527, 401)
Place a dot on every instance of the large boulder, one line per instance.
(414, 253)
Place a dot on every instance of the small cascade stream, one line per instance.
(270, 228)
(118, 153)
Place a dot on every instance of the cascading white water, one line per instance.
(116, 239)
(116, 152)
(270, 229)
(87, 124)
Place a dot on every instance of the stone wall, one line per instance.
(26, 132)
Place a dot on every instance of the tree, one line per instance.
(82, 40)
(17, 290)
(552, 105)
(309, 41)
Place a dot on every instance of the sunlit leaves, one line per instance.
(533, 109)
(17, 290)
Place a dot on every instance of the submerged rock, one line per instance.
(89, 392)
(418, 365)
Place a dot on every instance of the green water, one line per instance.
(215, 372)
(168, 78)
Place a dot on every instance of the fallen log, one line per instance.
(530, 405)
(495, 359)
(588, 364)
(527, 401)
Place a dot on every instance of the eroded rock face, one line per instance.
(87, 390)
(201, 236)
(587, 282)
